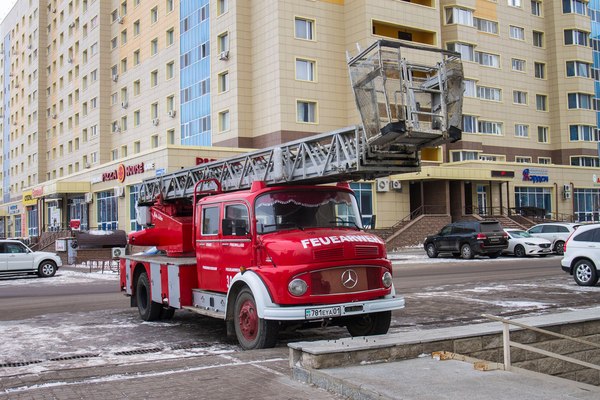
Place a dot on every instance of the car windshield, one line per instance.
(295, 209)
(491, 227)
(519, 234)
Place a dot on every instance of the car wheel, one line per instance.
(559, 248)
(585, 273)
(47, 269)
(149, 310)
(494, 255)
(519, 251)
(370, 324)
(252, 332)
(431, 251)
(466, 251)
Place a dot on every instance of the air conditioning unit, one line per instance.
(87, 165)
(224, 55)
(567, 195)
(116, 128)
(88, 197)
(29, 47)
(115, 77)
(382, 184)
(72, 25)
(54, 116)
(119, 191)
(70, 60)
(124, 104)
(172, 113)
(396, 185)
(155, 122)
(117, 252)
(566, 188)
(120, 20)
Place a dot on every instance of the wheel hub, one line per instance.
(248, 320)
(584, 273)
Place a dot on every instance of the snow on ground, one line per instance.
(62, 277)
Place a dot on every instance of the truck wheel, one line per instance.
(370, 324)
(251, 331)
(46, 269)
(431, 251)
(466, 251)
(559, 248)
(149, 310)
(585, 273)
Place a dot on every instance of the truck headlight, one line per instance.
(386, 279)
(297, 287)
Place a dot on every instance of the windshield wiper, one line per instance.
(286, 224)
(344, 222)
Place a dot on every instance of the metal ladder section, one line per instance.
(404, 107)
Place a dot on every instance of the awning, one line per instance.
(53, 188)
(446, 172)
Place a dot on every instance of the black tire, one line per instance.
(251, 331)
(47, 269)
(494, 255)
(519, 251)
(370, 324)
(149, 310)
(466, 251)
(584, 273)
(431, 250)
(167, 313)
(559, 248)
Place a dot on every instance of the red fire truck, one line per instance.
(270, 237)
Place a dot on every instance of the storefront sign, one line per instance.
(28, 199)
(13, 209)
(160, 171)
(204, 160)
(503, 174)
(75, 224)
(535, 175)
(37, 192)
(596, 180)
(122, 172)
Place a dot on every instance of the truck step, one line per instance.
(202, 311)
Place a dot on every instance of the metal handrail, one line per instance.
(507, 343)
(421, 210)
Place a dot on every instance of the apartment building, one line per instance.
(100, 94)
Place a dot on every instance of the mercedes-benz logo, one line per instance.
(349, 278)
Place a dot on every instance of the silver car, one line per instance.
(555, 232)
(16, 258)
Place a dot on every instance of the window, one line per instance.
(538, 39)
(170, 72)
(575, 7)
(544, 160)
(487, 59)
(124, 65)
(576, 37)
(578, 68)
(154, 110)
(536, 8)
(484, 25)
(223, 81)
(224, 121)
(467, 51)
(137, 118)
(123, 37)
(542, 134)
(539, 70)
(461, 16)
(585, 161)
(223, 42)
(522, 159)
(305, 70)
(136, 88)
(154, 78)
(541, 102)
(519, 97)
(580, 101)
(136, 28)
(136, 57)
(154, 141)
(113, 43)
(518, 65)
(114, 154)
(470, 88)
(154, 15)
(222, 6)
(521, 130)
(170, 39)
(489, 93)
(517, 32)
(464, 156)
(210, 221)
(94, 49)
(169, 5)
(583, 133)
(306, 111)
(154, 46)
(469, 124)
(304, 28)
(489, 127)
(171, 136)
(171, 103)
(514, 3)
(107, 210)
(136, 146)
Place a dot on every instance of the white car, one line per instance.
(556, 232)
(16, 258)
(521, 244)
(582, 255)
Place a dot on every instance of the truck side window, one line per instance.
(236, 220)
(210, 221)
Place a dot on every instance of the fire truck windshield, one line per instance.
(295, 209)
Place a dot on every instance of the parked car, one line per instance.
(521, 244)
(582, 255)
(16, 258)
(468, 238)
(556, 232)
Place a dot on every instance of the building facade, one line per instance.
(100, 94)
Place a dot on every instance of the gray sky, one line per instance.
(5, 6)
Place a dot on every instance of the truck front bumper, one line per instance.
(306, 313)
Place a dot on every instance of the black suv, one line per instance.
(467, 238)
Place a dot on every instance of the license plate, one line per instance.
(494, 239)
(325, 312)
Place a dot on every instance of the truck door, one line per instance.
(208, 247)
(236, 243)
